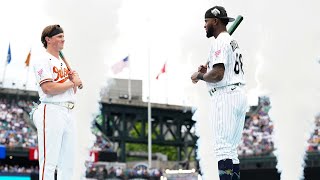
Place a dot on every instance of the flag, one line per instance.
(9, 55)
(27, 62)
(163, 70)
(119, 66)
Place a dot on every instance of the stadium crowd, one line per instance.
(100, 172)
(101, 144)
(314, 141)
(257, 133)
(18, 169)
(14, 129)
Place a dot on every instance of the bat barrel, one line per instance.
(235, 24)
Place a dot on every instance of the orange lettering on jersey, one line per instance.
(61, 73)
(66, 72)
(63, 80)
(56, 71)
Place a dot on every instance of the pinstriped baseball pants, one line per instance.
(227, 115)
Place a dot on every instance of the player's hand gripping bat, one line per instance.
(68, 66)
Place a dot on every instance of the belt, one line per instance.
(69, 105)
(211, 91)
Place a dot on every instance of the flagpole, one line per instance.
(166, 86)
(149, 111)
(129, 81)
(149, 118)
(27, 78)
(27, 62)
(167, 98)
(4, 73)
(7, 62)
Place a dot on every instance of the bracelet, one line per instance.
(200, 76)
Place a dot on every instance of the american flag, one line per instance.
(119, 66)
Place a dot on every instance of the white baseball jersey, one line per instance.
(228, 102)
(225, 50)
(55, 124)
(51, 69)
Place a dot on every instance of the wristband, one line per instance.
(200, 76)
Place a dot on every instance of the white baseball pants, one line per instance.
(56, 141)
(227, 114)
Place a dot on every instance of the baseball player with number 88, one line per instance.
(225, 80)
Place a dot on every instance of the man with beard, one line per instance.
(224, 76)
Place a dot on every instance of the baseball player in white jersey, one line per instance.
(224, 76)
(53, 117)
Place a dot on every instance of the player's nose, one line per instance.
(205, 25)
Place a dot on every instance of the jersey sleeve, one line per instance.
(43, 72)
(219, 53)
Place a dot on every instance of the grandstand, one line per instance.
(258, 128)
(18, 139)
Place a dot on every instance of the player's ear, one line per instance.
(218, 21)
(47, 38)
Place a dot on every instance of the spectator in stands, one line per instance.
(17, 169)
(314, 141)
(15, 131)
(257, 134)
(99, 171)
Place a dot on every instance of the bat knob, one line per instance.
(80, 86)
